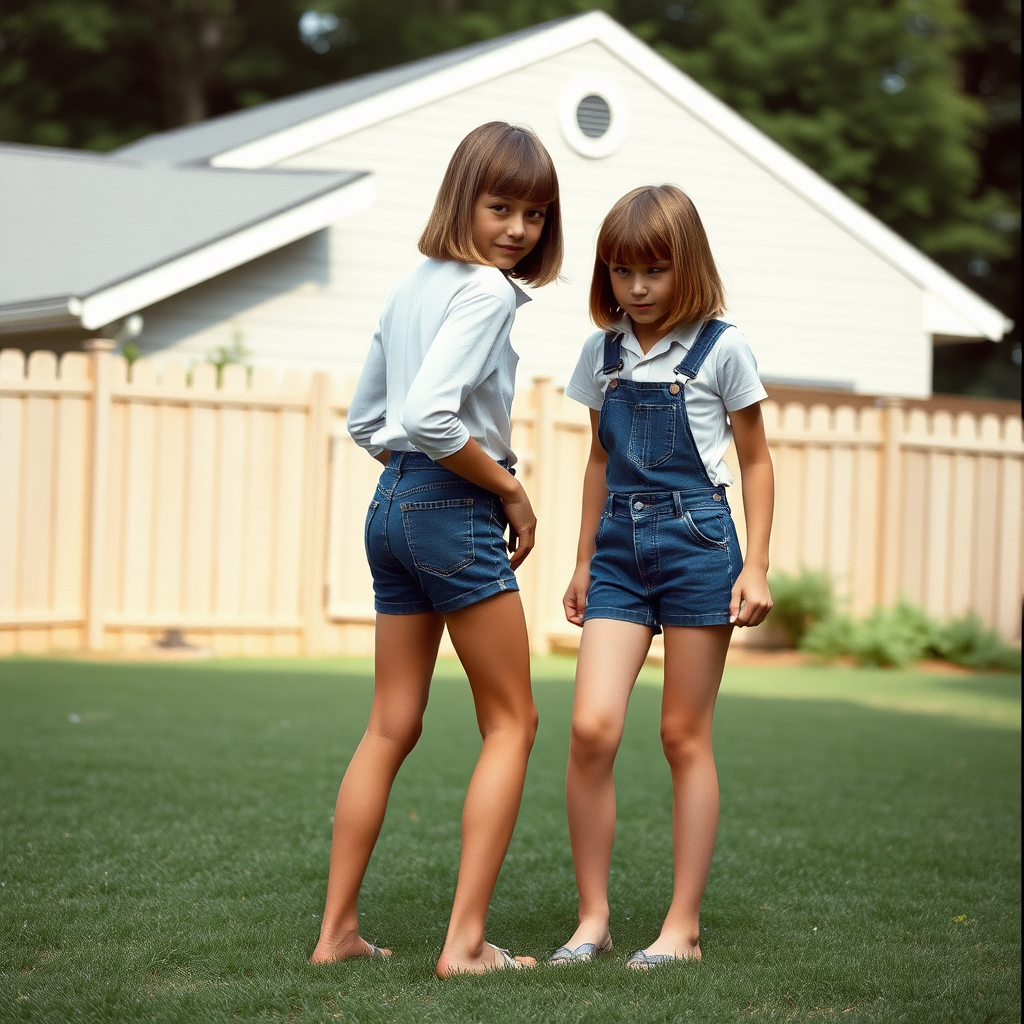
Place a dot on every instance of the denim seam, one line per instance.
(456, 603)
(619, 614)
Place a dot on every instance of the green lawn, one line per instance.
(166, 828)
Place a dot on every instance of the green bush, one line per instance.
(892, 636)
(800, 601)
(967, 642)
(900, 635)
(829, 638)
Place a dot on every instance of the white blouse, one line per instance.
(726, 381)
(441, 367)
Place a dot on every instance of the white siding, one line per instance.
(816, 303)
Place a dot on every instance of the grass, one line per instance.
(165, 835)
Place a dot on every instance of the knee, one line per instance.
(402, 733)
(594, 738)
(685, 742)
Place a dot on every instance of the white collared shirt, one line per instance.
(726, 381)
(441, 367)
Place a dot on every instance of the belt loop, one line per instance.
(677, 504)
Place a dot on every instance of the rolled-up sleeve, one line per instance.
(464, 353)
(367, 413)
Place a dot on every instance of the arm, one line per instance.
(595, 494)
(476, 466)
(751, 599)
(368, 409)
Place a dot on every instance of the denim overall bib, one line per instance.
(667, 552)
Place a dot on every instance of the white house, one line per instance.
(326, 194)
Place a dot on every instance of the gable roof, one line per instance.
(88, 239)
(276, 131)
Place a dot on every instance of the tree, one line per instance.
(912, 107)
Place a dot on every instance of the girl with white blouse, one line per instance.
(433, 405)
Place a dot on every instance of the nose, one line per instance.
(516, 228)
(638, 286)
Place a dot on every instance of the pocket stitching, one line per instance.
(646, 432)
(434, 570)
(718, 544)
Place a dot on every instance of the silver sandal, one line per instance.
(585, 953)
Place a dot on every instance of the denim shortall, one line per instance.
(667, 552)
(434, 541)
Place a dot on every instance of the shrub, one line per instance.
(800, 601)
(829, 638)
(967, 642)
(892, 636)
(900, 635)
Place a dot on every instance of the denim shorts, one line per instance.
(665, 559)
(434, 541)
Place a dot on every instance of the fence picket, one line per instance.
(235, 508)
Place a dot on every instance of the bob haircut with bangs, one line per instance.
(496, 159)
(652, 223)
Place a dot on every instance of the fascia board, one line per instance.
(984, 318)
(225, 254)
(315, 132)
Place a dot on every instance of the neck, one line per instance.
(648, 335)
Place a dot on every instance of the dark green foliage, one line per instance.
(800, 600)
(163, 854)
(967, 642)
(904, 634)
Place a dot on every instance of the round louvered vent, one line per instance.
(593, 116)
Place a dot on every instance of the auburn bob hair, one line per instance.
(649, 224)
(496, 159)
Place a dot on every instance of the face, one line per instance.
(644, 291)
(505, 230)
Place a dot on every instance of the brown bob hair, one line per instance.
(652, 223)
(502, 160)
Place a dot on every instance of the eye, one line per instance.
(537, 214)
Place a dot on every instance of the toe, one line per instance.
(526, 961)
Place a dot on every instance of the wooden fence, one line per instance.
(131, 503)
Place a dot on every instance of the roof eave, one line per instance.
(175, 275)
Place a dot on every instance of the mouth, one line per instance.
(642, 307)
(510, 249)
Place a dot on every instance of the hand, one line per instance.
(751, 599)
(522, 526)
(575, 600)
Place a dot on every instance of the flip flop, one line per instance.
(376, 953)
(641, 960)
(507, 960)
(585, 953)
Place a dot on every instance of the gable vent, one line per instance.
(593, 116)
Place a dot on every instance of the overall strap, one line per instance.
(612, 353)
(700, 349)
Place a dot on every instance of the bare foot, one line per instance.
(330, 951)
(491, 958)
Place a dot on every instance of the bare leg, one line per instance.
(611, 655)
(490, 639)
(694, 662)
(405, 652)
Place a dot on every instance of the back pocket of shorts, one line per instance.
(439, 534)
(653, 435)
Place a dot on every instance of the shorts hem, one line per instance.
(499, 586)
(620, 615)
(715, 619)
(402, 607)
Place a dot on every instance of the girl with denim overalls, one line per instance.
(668, 385)
(433, 405)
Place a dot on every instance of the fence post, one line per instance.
(891, 503)
(317, 461)
(544, 453)
(99, 350)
